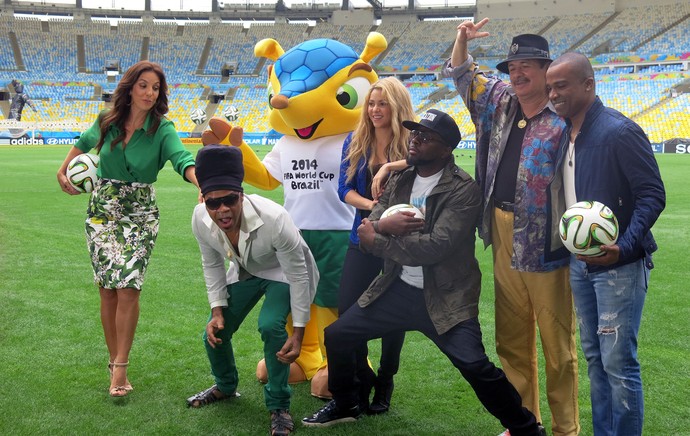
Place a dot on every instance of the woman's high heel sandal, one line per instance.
(119, 391)
(128, 386)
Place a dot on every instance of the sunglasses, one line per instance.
(423, 137)
(228, 200)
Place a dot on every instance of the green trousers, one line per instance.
(244, 296)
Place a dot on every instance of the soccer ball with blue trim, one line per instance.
(587, 225)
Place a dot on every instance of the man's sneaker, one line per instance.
(542, 431)
(330, 414)
(281, 422)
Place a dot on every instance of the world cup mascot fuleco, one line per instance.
(316, 94)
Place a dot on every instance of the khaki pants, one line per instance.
(525, 301)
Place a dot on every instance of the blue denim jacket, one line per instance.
(493, 106)
(357, 184)
(615, 165)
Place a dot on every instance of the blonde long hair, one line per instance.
(364, 139)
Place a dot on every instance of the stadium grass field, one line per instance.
(53, 357)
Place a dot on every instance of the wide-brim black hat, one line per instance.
(526, 46)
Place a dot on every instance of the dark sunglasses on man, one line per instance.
(228, 200)
(423, 137)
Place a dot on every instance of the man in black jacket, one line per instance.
(431, 279)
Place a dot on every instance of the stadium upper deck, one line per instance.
(61, 61)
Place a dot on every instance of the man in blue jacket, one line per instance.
(606, 157)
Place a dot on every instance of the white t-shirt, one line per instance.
(309, 171)
(569, 176)
(422, 187)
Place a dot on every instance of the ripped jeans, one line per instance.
(608, 305)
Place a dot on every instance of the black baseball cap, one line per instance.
(438, 122)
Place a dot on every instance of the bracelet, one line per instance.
(376, 226)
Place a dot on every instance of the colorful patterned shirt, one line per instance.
(493, 107)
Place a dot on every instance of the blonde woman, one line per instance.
(378, 138)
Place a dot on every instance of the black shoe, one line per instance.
(383, 391)
(330, 414)
(281, 422)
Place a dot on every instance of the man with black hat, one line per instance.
(518, 133)
(430, 281)
(267, 257)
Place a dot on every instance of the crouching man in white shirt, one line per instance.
(267, 257)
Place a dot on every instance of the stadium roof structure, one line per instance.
(246, 10)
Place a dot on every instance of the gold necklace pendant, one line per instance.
(522, 123)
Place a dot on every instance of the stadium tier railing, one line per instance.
(61, 93)
(634, 25)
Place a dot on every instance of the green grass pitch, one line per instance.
(53, 377)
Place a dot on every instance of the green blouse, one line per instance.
(144, 156)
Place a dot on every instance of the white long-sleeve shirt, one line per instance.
(270, 246)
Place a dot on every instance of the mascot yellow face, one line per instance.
(318, 87)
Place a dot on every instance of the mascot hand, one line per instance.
(222, 132)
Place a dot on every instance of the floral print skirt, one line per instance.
(121, 229)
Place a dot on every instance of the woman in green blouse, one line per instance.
(134, 140)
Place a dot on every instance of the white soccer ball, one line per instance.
(81, 172)
(587, 225)
(231, 113)
(198, 116)
(403, 207)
